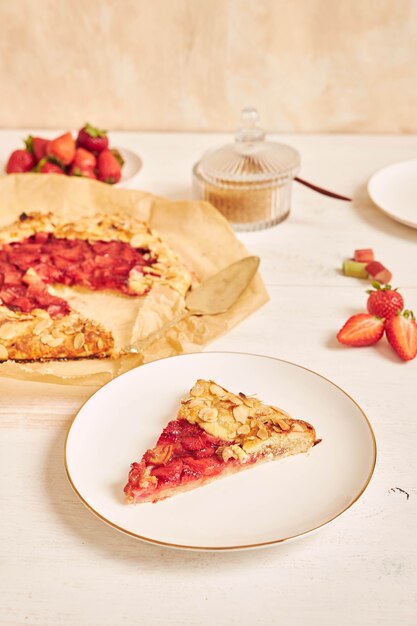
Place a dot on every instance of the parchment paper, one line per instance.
(197, 232)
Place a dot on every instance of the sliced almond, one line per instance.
(234, 399)
(197, 390)
(100, 344)
(207, 414)
(79, 341)
(193, 403)
(264, 413)
(216, 390)
(239, 453)
(243, 430)
(262, 433)
(250, 402)
(228, 453)
(52, 342)
(297, 427)
(42, 325)
(3, 352)
(282, 424)
(240, 413)
(8, 331)
(151, 269)
(139, 240)
(160, 455)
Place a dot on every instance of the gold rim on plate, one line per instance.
(226, 548)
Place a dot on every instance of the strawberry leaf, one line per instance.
(118, 157)
(93, 131)
(40, 164)
(29, 144)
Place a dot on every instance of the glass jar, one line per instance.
(248, 181)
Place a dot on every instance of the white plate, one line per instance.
(266, 505)
(394, 190)
(132, 165)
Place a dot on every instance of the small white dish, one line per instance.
(266, 505)
(132, 166)
(394, 190)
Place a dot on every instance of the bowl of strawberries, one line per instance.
(87, 156)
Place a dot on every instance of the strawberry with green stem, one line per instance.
(384, 301)
(48, 167)
(92, 139)
(37, 146)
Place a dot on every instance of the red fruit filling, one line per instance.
(183, 453)
(96, 266)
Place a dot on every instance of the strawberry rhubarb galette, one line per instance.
(216, 433)
(105, 252)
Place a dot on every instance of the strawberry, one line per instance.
(37, 146)
(109, 170)
(385, 301)
(118, 156)
(171, 472)
(92, 139)
(83, 172)
(401, 331)
(46, 167)
(20, 161)
(84, 159)
(362, 329)
(62, 149)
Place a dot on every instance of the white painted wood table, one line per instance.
(62, 566)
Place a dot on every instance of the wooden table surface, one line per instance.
(62, 566)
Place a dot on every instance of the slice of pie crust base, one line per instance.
(216, 433)
(35, 336)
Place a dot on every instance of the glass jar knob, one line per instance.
(250, 130)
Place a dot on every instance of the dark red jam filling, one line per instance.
(96, 266)
(183, 453)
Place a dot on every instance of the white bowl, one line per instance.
(132, 165)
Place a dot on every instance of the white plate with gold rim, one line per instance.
(266, 505)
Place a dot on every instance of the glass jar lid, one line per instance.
(251, 159)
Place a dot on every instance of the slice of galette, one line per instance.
(216, 433)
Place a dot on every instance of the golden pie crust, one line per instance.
(36, 335)
(252, 426)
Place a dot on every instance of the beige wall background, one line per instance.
(307, 65)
